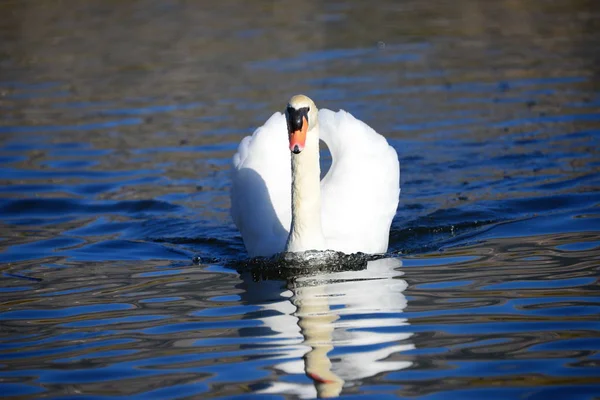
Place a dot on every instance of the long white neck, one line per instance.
(306, 232)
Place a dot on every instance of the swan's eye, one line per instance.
(304, 112)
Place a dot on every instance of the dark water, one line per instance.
(118, 122)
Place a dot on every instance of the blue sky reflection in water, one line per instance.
(118, 121)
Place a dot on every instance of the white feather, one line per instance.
(359, 194)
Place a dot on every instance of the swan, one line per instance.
(279, 202)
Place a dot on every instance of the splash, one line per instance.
(312, 262)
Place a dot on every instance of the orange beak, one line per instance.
(298, 137)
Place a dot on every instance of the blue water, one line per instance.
(124, 277)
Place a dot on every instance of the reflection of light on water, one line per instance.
(335, 313)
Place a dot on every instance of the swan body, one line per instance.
(278, 201)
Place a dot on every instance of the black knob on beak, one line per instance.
(294, 118)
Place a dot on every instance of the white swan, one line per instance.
(278, 201)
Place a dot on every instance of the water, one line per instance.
(118, 122)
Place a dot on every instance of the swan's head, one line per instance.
(301, 115)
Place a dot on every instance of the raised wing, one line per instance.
(361, 189)
(260, 192)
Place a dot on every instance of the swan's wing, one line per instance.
(361, 189)
(260, 192)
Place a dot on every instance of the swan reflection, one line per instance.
(339, 328)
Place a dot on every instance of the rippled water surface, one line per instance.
(123, 275)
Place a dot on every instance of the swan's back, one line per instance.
(361, 190)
